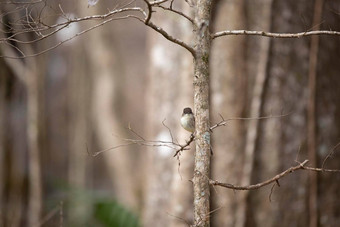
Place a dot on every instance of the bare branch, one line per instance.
(259, 185)
(109, 149)
(274, 179)
(38, 27)
(169, 130)
(69, 21)
(184, 147)
(224, 122)
(66, 40)
(135, 133)
(173, 145)
(51, 214)
(180, 219)
(322, 169)
(156, 3)
(272, 34)
(170, 38)
(271, 191)
(176, 12)
(148, 17)
(329, 155)
(161, 30)
(22, 2)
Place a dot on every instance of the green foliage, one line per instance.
(100, 209)
(112, 214)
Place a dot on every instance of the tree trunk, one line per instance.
(108, 98)
(228, 78)
(79, 102)
(311, 116)
(202, 107)
(3, 115)
(12, 150)
(35, 184)
(256, 105)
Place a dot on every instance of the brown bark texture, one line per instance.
(202, 108)
(278, 141)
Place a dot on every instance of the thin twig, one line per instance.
(50, 215)
(322, 170)
(66, 40)
(176, 12)
(61, 214)
(272, 34)
(154, 3)
(329, 155)
(271, 192)
(172, 138)
(224, 122)
(135, 133)
(179, 218)
(184, 147)
(148, 17)
(70, 21)
(108, 149)
(22, 2)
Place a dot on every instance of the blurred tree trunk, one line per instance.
(258, 70)
(286, 91)
(228, 76)
(79, 102)
(274, 144)
(181, 207)
(3, 119)
(328, 117)
(311, 115)
(28, 72)
(13, 128)
(33, 75)
(11, 149)
(107, 71)
(163, 97)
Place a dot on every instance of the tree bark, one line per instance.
(3, 116)
(311, 116)
(202, 107)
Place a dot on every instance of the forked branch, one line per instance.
(28, 24)
(160, 30)
(275, 179)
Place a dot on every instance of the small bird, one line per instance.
(188, 120)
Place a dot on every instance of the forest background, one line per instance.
(77, 114)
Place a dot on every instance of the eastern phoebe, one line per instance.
(188, 120)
